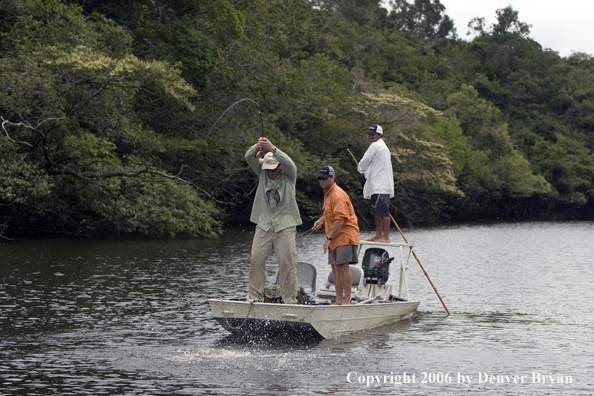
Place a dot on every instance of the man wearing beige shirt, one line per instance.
(276, 216)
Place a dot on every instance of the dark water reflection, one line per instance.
(130, 317)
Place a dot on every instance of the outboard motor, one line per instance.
(376, 266)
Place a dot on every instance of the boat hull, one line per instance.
(327, 321)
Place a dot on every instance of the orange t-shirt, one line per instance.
(338, 206)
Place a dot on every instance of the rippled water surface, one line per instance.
(130, 317)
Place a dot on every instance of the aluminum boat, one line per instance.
(373, 303)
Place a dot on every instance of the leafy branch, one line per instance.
(27, 125)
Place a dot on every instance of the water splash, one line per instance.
(208, 353)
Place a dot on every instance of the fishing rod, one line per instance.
(227, 110)
(230, 107)
(413, 252)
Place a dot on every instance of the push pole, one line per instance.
(413, 252)
(425, 272)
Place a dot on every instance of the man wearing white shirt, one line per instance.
(376, 165)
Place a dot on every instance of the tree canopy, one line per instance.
(133, 117)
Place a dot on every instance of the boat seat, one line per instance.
(306, 276)
(356, 286)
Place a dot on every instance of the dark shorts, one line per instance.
(380, 205)
(343, 254)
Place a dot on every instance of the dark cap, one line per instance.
(375, 129)
(326, 171)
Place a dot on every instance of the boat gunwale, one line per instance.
(384, 303)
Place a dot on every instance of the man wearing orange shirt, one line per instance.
(342, 233)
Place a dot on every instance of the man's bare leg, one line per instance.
(346, 282)
(385, 229)
(337, 284)
(379, 229)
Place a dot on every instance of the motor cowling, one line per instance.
(376, 266)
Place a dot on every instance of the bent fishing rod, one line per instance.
(230, 107)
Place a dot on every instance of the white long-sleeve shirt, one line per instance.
(376, 164)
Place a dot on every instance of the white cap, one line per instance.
(269, 161)
(375, 129)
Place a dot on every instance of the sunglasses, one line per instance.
(322, 178)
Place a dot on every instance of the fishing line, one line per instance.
(305, 234)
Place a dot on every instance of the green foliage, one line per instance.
(576, 95)
(72, 136)
(133, 117)
(361, 12)
(33, 25)
(506, 171)
(567, 165)
(21, 180)
(508, 22)
(196, 52)
(163, 207)
(422, 165)
(424, 19)
(184, 32)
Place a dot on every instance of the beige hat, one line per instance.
(269, 161)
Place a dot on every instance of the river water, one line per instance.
(105, 317)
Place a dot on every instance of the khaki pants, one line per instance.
(283, 244)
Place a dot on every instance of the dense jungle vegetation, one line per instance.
(133, 117)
